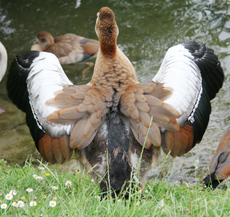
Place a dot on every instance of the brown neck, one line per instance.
(108, 45)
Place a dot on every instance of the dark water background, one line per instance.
(147, 29)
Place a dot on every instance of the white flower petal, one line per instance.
(68, 183)
(21, 204)
(29, 189)
(15, 204)
(4, 206)
(33, 203)
(52, 203)
(13, 192)
(8, 196)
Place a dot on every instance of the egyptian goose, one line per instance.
(219, 168)
(3, 65)
(68, 48)
(113, 120)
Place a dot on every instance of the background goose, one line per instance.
(68, 48)
(109, 121)
(219, 168)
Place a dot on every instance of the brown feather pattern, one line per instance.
(178, 143)
(82, 106)
(142, 101)
(55, 149)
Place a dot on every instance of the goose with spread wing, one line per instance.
(114, 122)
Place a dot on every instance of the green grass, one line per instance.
(82, 198)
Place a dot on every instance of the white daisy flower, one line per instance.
(68, 183)
(35, 176)
(54, 187)
(29, 189)
(40, 178)
(137, 203)
(41, 168)
(92, 180)
(52, 203)
(98, 198)
(33, 203)
(21, 204)
(15, 204)
(13, 192)
(8, 196)
(4, 206)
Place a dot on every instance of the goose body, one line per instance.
(219, 168)
(68, 48)
(112, 119)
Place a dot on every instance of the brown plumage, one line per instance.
(219, 168)
(68, 48)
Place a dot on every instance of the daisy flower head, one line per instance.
(52, 203)
(47, 174)
(98, 198)
(35, 176)
(15, 204)
(13, 192)
(40, 178)
(4, 206)
(68, 183)
(21, 204)
(29, 189)
(23, 198)
(41, 168)
(137, 203)
(33, 203)
(54, 187)
(8, 196)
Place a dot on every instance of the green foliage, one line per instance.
(82, 196)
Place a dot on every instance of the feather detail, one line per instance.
(178, 143)
(139, 103)
(45, 148)
(64, 147)
(56, 151)
(77, 134)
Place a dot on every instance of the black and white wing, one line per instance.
(195, 75)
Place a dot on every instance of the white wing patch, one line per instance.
(180, 72)
(45, 78)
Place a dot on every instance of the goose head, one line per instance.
(43, 41)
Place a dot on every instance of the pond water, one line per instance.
(146, 30)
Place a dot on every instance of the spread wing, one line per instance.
(60, 115)
(194, 74)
